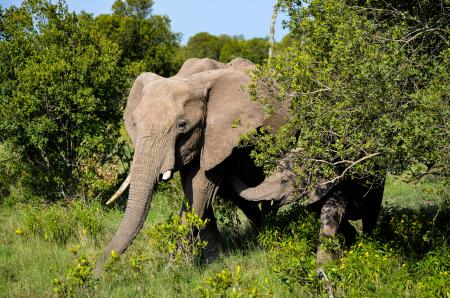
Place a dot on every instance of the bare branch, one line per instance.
(349, 167)
(316, 91)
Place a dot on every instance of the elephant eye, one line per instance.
(181, 124)
(284, 181)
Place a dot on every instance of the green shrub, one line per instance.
(13, 177)
(228, 219)
(370, 270)
(291, 239)
(414, 232)
(61, 92)
(433, 273)
(296, 222)
(178, 239)
(366, 85)
(61, 223)
(172, 189)
(295, 263)
(78, 280)
(228, 284)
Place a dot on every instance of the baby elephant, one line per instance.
(336, 202)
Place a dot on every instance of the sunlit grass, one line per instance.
(275, 266)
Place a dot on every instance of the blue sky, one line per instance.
(250, 18)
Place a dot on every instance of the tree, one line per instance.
(203, 45)
(255, 49)
(61, 93)
(224, 48)
(138, 8)
(146, 41)
(366, 83)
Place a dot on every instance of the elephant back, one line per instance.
(240, 64)
(195, 65)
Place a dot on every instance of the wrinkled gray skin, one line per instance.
(279, 187)
(184, 123)
(336, 202)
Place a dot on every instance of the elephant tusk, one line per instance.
(167, 175)
(120, 191)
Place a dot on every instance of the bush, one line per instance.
(295, 222)
(228, 220)
(370, 270)
(78, 280)
(62, 223)
(365, 85)
(228, 284)
(11, 171)
(291, 239)
(61, 91)
(414, 232)
(178, 239)
(433, 273)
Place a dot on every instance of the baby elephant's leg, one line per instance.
(331, 215)
(371, 208)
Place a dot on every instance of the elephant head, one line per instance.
(281, 186)
(177, 122)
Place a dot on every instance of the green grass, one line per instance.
(405, 195)
(408, 256)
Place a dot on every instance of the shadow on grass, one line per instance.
(414, 232)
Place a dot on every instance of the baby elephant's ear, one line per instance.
(230, 113)
(134, 98)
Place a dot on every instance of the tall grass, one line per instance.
(44, 248)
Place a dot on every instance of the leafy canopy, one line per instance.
(367, 87)
(63, 85)
(61, 93)
(138, 8)
(145, 40)
(224, 48)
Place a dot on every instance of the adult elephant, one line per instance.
(191, 123)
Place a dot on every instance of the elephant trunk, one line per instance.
(262, 192)
(144, 172)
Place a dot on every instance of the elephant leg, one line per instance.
(331, 216)
(371, 208)
(200, 189)
(349, 232)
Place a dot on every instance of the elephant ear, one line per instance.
(134, 98)
(230, 113)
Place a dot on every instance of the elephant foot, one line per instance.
(211, 235)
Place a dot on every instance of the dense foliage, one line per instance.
(64, 80)
(366, 83)
(61, 94)
(224, 48)
(145, 40)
